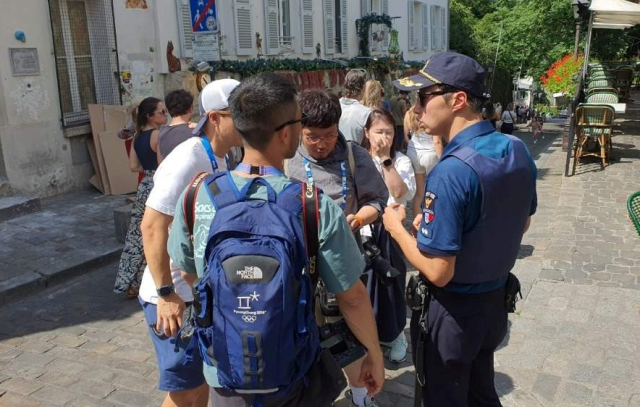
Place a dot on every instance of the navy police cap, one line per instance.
(450, 69)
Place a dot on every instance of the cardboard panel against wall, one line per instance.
(121, 179)
(96, 116)
(96, 179)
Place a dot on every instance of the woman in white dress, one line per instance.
(424, 150)
(397, 172)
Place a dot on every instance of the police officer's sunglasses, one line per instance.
(302, 118)
(424, 96)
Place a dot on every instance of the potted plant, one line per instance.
(561, 78)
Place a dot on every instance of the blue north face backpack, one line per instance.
(255, 321)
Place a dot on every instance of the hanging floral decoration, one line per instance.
(561, 77)
(363, 29)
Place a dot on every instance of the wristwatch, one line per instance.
(387, 163)
(165, 290)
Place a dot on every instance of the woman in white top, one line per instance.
(424, 150)
(397, 171)
(508, 120)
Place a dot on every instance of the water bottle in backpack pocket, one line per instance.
(256, 319)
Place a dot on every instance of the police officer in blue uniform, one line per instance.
(478, 203)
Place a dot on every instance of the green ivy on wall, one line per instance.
(253, 66)
(363, 29)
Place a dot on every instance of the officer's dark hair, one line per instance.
(178, 102)
(321, 107)
(259, 105)
(474, 102)
(374, 116)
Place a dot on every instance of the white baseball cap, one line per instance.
(214, 96)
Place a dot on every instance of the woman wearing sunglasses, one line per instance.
(151, 115)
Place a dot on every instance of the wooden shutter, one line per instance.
(344, 27)
(412, 31)
(308, 41)
(387, 33)
(244, 29)
(329, 27)
(184, 25)
(425, 27)
(444, 41)
(365, 7)
(271, 42)
(434, 36)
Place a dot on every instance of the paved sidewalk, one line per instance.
(71, 234)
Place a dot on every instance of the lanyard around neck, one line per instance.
(207, 146)
(258, 170)
(343, 178)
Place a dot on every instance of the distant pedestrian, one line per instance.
(150, 116)
(354, 114)
(536, 128)
(180, 106)
(509, 118)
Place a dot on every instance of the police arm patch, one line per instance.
(428, 213)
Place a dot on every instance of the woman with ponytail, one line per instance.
(151, 114)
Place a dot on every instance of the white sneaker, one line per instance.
(398, 352)
(535, 141)
(368, 400)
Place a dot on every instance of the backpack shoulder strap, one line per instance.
(222, 190)
(189, 203)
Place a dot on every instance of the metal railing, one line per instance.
(286, 44)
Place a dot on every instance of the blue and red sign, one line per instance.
(204, 16)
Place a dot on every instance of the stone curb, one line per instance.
(55, 273)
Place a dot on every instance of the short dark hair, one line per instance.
(374, 116)
(260, 104)
(321, 107)
(178, 102)
(475, 103)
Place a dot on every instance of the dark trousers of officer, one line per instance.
(465, 330)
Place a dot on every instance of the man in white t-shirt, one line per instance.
(354, 114)
(163, 291)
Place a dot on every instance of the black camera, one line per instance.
(327, 300)
(343, 345)
(380, 266)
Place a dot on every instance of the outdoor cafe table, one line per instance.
(618, 107)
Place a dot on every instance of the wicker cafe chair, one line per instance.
(624, 80)
(593, 123)
(633, 206)
(602, 97)
(598, 90)
(601, 83)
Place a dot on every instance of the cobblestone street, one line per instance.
(573, 341)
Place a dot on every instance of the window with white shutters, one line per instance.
(184, 23)
(385, 29)
(365, 7)
(434, 32)
(411, 29)
(272, 27)
(425, 27)
(244, 30)
(444, 29)
(329, 27)
(344, 27)
(438, 28)
(308, 41)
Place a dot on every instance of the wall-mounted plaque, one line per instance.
(24, 61)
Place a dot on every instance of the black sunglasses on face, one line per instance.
(302, 118)
(424, 97)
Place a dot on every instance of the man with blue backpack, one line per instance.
(250, 243)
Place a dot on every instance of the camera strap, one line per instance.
(310, 224)
(190, 201)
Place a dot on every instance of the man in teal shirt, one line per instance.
(268, 118)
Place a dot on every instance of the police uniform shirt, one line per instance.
(453, 197)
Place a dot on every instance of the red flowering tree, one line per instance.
(562, 75)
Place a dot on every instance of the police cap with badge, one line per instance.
(447, 69)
